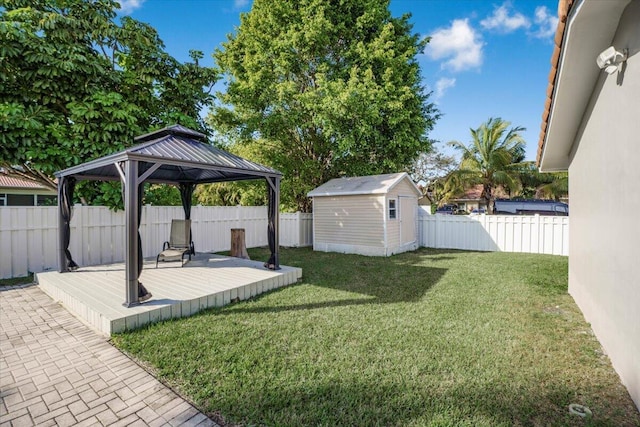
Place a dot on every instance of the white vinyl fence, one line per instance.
(29, 235)
(506, 233)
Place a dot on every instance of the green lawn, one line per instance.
(17, 281)
(430, 338)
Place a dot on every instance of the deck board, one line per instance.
(95, 294)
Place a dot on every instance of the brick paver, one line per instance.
(54, 370)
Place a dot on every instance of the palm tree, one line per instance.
(542, 185)
(556, 189)
(489, 159)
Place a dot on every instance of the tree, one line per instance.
(326, 88)
(77, 86)
(430, 170)
(490, 159)
(557, 188)
(542, 185)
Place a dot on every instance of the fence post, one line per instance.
(539, 239)
(298, 230)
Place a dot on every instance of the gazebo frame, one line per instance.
(173, 155)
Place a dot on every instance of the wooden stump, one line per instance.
(238, 246)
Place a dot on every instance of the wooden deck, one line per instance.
(95, 294)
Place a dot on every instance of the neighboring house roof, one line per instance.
(18, 184)
(475, 193)
(358, 185)
(585, 28)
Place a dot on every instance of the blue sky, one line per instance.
(485, 59)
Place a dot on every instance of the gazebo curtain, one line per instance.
(186, 194)
(141, 289)
(271, 228)
(65, 197)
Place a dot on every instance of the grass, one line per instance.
(429, 338)
(25, 280)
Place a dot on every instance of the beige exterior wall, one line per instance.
(349, 220)
(604, 265)
(394, 244)
(40, 191)
(24, 194)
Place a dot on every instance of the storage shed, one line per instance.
(369, 215)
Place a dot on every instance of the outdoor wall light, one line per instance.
(610, 60)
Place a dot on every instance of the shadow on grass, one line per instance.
(370, 280)
(351, 402)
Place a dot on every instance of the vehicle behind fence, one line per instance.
(530, 207)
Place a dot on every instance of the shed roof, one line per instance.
(183, 155)
(358, 185)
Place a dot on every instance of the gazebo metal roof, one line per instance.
(173, 155)
(182, 156)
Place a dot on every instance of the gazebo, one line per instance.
(174, 155)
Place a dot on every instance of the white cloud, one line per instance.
(546, 23)
(240, 4)
(503, 21)
(441, 87)
(128, 6)
(460, 45)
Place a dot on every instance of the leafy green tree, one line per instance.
(430, 170)
(75, 86)
(490, 159)
(326, 89)
(556, 189)
(245, 193)
(542, 185)
(162, 195)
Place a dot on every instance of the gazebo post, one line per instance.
(62, 257)
(277, 223)
(131, 232)
(274, 222)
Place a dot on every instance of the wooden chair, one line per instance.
(179, 243)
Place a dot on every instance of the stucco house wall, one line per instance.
(604, 267)
(594, 131)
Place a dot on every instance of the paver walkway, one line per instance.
(54, 370)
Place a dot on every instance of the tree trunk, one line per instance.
(238, 247)
(488, 197)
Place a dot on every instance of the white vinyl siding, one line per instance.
(393, 225)
(350, 220)
(399, 193)
(404, 188)
(408, 224)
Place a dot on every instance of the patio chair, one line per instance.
(179, 243)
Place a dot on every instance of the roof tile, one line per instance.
(13, 182)
(564, 6)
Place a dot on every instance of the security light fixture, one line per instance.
(610, 60)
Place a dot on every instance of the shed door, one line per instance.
(407, 220)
